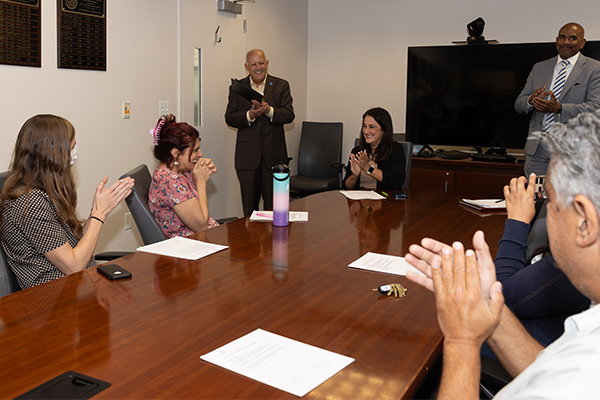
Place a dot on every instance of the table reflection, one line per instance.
(70, 316)
(373, 227)
(175, 280)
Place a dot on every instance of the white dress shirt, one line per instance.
(569, 368)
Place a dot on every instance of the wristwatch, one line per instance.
(370, 170)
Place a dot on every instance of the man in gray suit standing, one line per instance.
(564, 90)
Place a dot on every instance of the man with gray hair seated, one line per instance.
(471, 305)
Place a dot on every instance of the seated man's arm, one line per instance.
(512, 344)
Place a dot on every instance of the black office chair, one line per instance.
(8, 280)
(137, 202)
(538, 234)
(493, 378)
(408, 155)
(399, 137)
(319, 158)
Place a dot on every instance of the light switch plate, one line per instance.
(126, 109)
(163, 108)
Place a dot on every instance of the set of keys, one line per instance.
(395, 289)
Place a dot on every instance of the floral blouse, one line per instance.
(167, 190)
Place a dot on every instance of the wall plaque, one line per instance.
(82, 34)
(20, 37)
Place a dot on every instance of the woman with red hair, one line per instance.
(177, 197)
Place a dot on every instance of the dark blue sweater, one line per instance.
(540, 294)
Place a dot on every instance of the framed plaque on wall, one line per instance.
(82, 34)
(20, 22)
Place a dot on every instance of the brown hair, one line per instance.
(41, 160)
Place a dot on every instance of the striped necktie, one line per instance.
(557, 87)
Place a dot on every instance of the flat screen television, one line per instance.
(464, 95)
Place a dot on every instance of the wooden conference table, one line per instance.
(146, 335)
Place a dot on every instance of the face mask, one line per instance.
(74, 154)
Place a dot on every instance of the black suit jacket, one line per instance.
(262, 138)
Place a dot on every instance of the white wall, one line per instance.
(141, 68)
(357, 49)
(275, 26)
(341, 57)
(149, 59)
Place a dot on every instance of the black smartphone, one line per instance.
(113, 271)
(400, 195)
(540, 192)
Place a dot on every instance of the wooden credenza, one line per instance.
(469, 178)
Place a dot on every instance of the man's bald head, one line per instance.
(570, 40)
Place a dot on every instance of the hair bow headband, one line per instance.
(155, 133)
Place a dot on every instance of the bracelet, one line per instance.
(96, 218)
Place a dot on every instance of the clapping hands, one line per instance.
(359, 162)
(423, 256)
(468, 297)
(106, 200)
(539, 102)
(259, 109)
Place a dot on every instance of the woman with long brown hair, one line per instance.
(41, 234)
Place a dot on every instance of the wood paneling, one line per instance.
(468, 178)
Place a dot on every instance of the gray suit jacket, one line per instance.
(581, 93)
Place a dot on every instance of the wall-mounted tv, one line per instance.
(464, 95)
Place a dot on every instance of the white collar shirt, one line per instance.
(260, 89)
(558, 67)
(569, 368)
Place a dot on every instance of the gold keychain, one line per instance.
(395, 289)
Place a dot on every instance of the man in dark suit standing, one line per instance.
(260, 142)
(576, 90)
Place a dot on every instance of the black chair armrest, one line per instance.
(493, 377)
(111, 255)
(340, 168)
(226, 220)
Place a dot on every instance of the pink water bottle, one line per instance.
(281, 195)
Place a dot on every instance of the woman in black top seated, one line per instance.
(378, 162)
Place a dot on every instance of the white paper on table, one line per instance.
(277, 361)
(362, 195)
(384, 263)
(180, 247)
(486, 203)
(264, 216)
